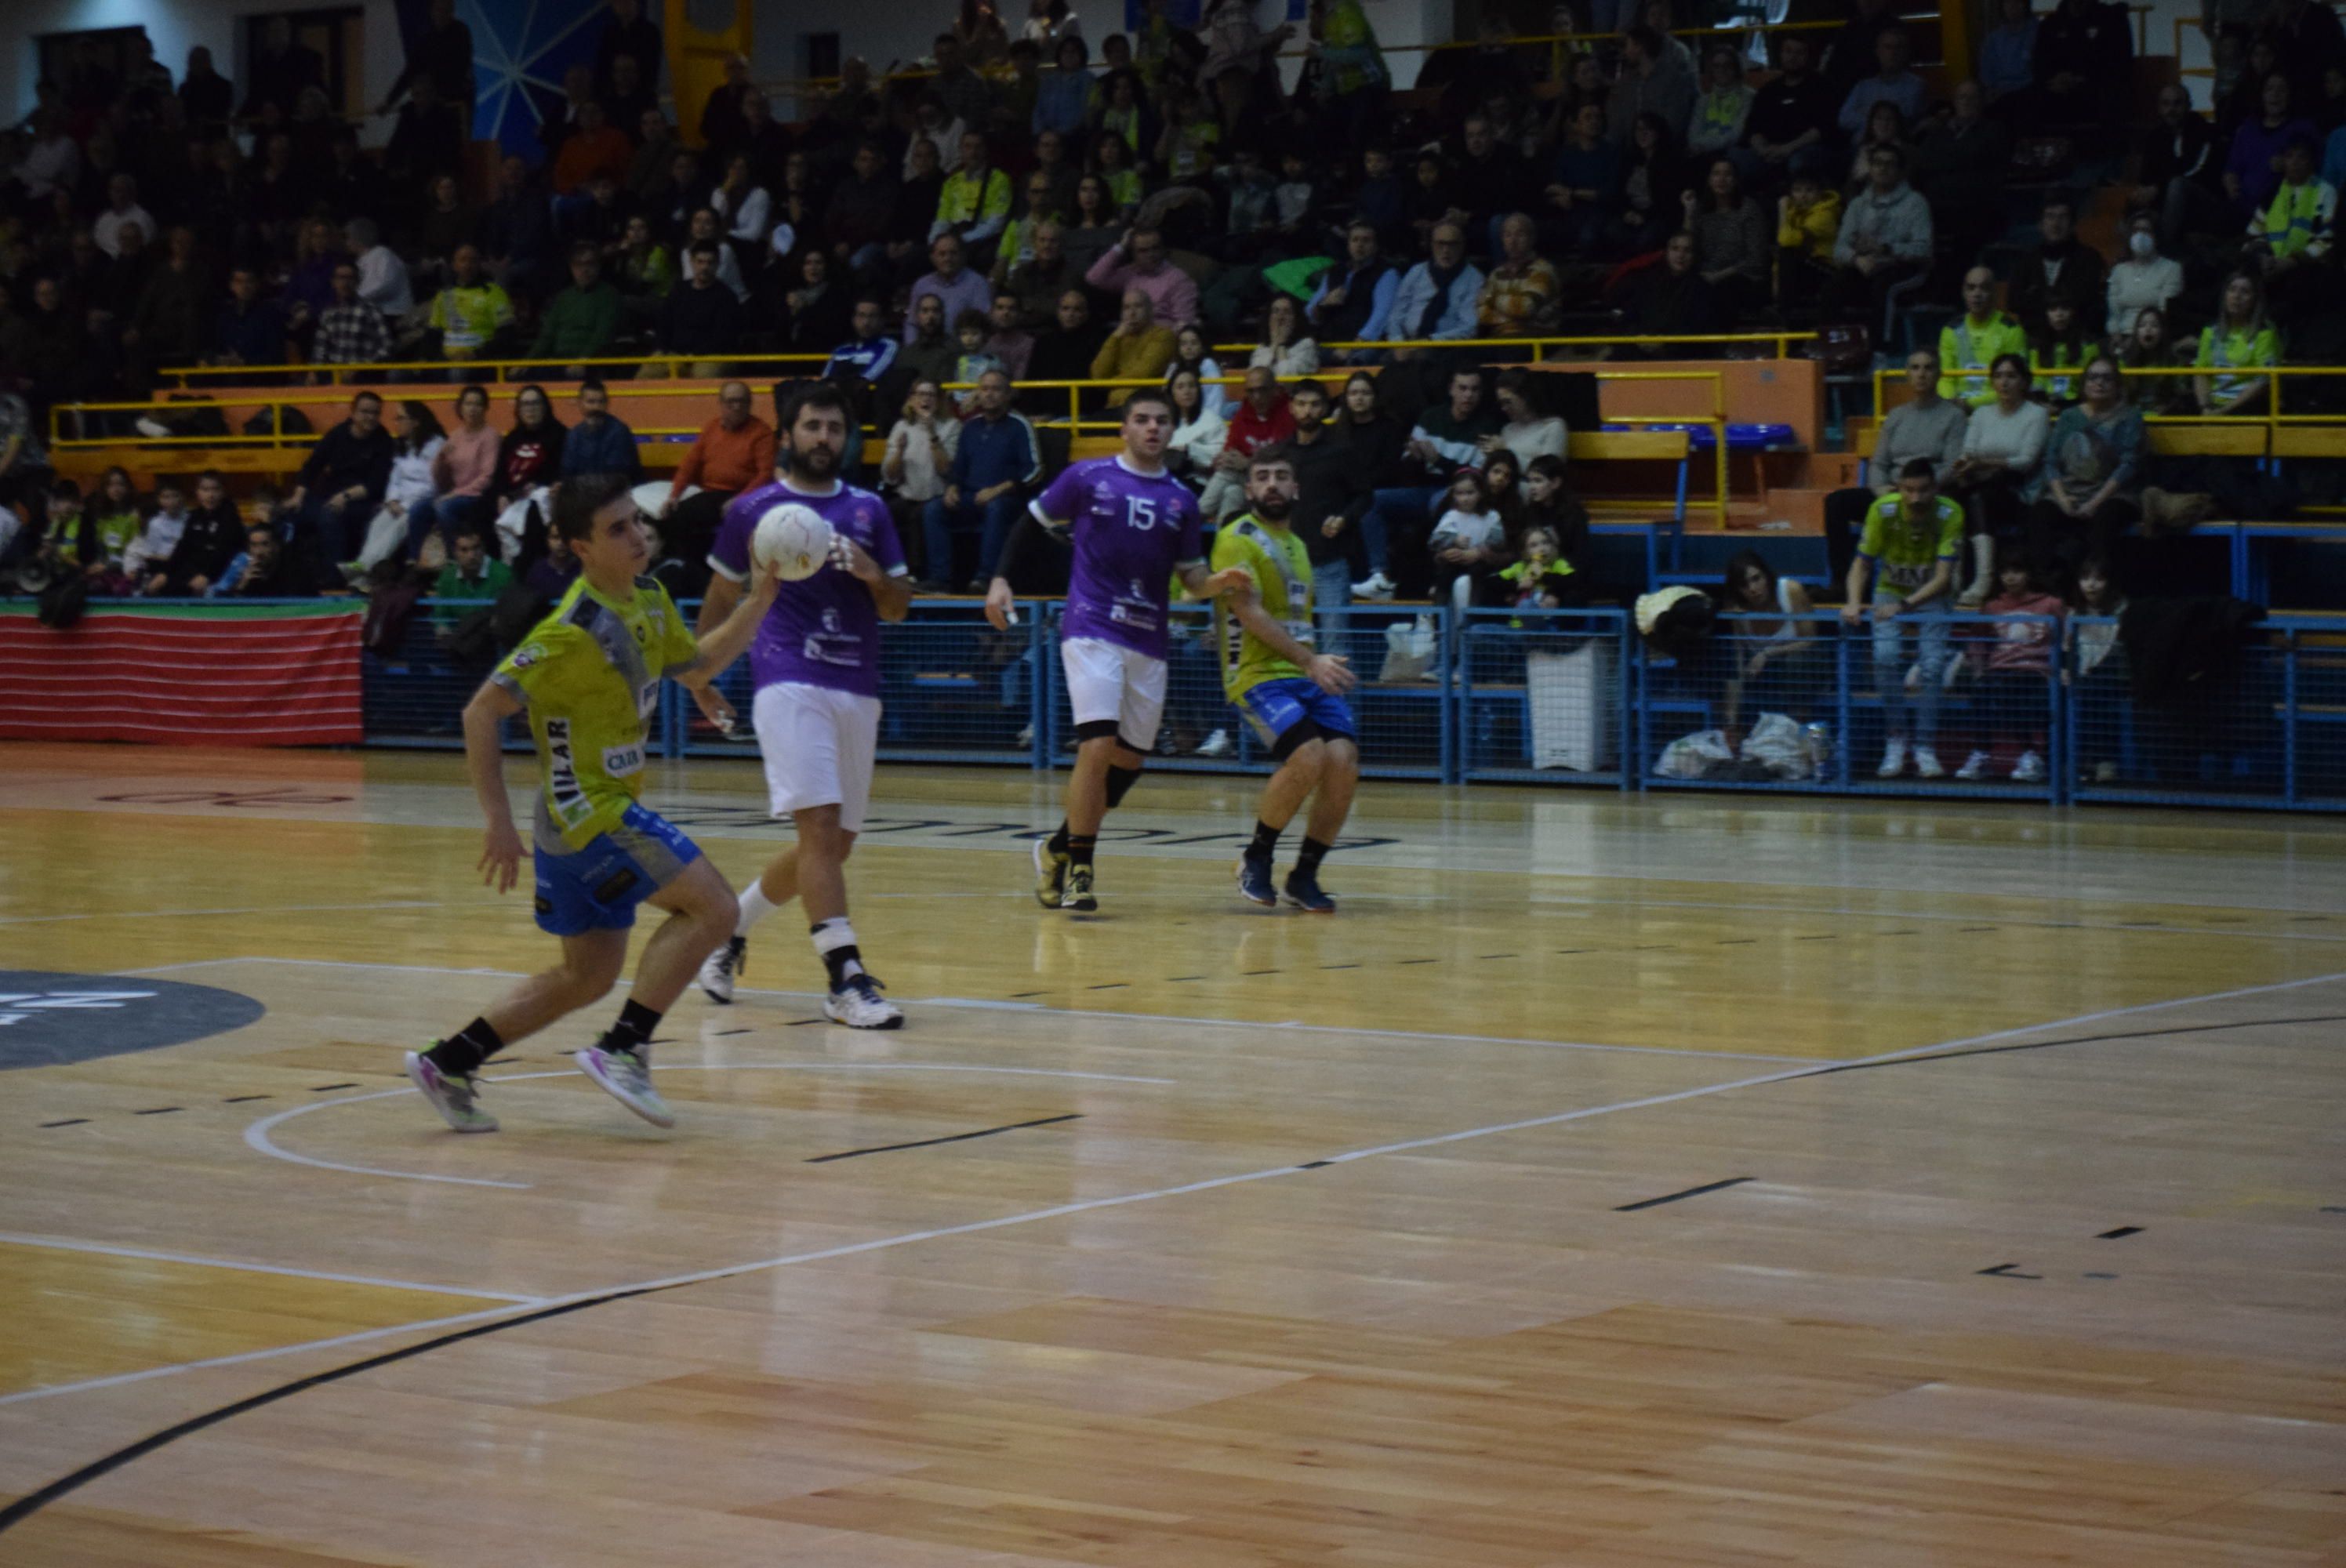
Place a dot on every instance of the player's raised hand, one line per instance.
(501, 857)
(1331, 673)
(998, 604)
(853, 559)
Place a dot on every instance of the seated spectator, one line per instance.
(416, 442)
(249, 329)
(1286, 349)
(821, 311)
(461, 474)
(972, 361)
(1774, 654)
(1731, 247)
(2098, 681)
(1995, 478)
(122, 211)
(1138, 350)
(857, 220)
(351, 331)
(2239, 338)
(918, 455)
(1063, 102)
(2057, 352)
(1672, 302)
(1808, 233)
(975, 203)
(2253, 166)
(470, 578)
(2290, 240)
(1018, 235)
(266, 569)
(1929, 425)
(382, 276)
(1097, 228)
(1037, 281)
(2015, 683)
(601, 442)
(2007, 52)
(1468, 542)
(744, 209)
(595, 147)
(1884, 126)
(2083, 49)
(67, 543)
(1904, 575)
(341, 483)
(213, 534)
(733, 453)
(2178, 167)
(1138, 261)
(929, 351)
(2086, 495)
(550, 576)
(872, 351)
(1653, 183)
(705, 224)
(1529, 432)
(529, 455)
(1962, 158)
(1651, 83)
(1065, 351)
(1973, 342)
(1444, 439)
(995, 463)
(2144, 281)
(952, 282)
(1723, 111)
(1192, 353)
(1354, 300)
(2059, 266)
(1891, 83)
(2150, 346)
(1520, 296)
(1332, 496)
(1007, 341)
(471, 310)
(143, 563)
(1550, 506)
(1884, 241)
(1438, 299)
(1794, 113)
(516, 232)
(1199, 432)
(579, 322)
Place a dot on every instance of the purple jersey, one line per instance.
(824, 630)
(1132, 532)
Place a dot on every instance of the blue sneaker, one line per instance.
(1303, 892)
(1254, 882)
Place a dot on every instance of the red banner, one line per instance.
(257, 675)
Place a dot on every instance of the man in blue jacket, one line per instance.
(997, 462)
(601, 442)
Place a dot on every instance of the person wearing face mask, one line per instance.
(2144, 281)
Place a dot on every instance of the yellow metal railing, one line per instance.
(2271, 416)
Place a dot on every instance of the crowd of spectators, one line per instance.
(1023, 211)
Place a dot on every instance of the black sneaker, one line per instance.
(1303, 892)
(1078, 896)
(1254, 882)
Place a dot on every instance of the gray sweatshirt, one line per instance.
(1915, 430)
(1899, 221)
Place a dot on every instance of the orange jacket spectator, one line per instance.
(588, 153)
(727, 459)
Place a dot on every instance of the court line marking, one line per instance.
(257, 1137)
(971, 1002)
(1059, 1211)
(70, 1244)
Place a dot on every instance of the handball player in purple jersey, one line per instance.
(1134, 527)
(816, 662)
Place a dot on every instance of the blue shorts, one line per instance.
(1276, 707)
(598, 886)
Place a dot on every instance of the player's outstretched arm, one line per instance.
(1204, 584)
(1029, 535)
(484, 760)
(732, 639)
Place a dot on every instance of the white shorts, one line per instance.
(1109, 682)
(818, 744)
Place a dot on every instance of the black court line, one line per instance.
(1315, 1164)
(242, 1099)
(1259, 971)
(1495, 955)
(1110, 985)
(1674, 1197)
(722, 1034)
(329, 1088)
(1175, 980)
(158, 1111)
(951, 1138)
(2074, 1039)
(1737, 941)
(1339, 966)
(2009, 1271)
(68, 1121)
(802, 1022)
(1022, 995)
(2121, 1230)
(1421, 961)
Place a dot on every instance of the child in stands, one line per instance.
(2016, 688)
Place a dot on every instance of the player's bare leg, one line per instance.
(1105, 773)
(1282, 797)
(813, 870)
(1326, 769)
(701, 912)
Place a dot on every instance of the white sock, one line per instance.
(755, 906)
(834, 943)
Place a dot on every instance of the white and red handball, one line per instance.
(794, 540)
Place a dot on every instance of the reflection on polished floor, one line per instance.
(1614, 1181)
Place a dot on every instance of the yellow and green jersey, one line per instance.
(1283, 577)
(589, 676)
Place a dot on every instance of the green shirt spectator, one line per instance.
(469, 580)
(581, 322)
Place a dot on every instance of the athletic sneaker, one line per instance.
(1050, 874)
(1078, 896)
(718, 970)
(1927, 764)
(1303, 892)
(1893, 759)
(1378, 587)
(1217, 744)
(1254, 882)
(861, 1006)
(626, 1077)
(2029, 769)
(1974, 767)
(458, 1100)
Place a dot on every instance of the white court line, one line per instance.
(66, 1244)
(1190, 1019)
(248, 910)
(257, 1138)
(1088, 1206)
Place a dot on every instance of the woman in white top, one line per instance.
(416, 441)
(1774, 663)
(1199, 432)
(1528, 433)
(1190, 352)
(1285, 349)
(2004, 448)
(919, 453)
(2144, 281)
(743, 203)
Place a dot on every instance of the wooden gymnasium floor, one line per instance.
(1505, 1220)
